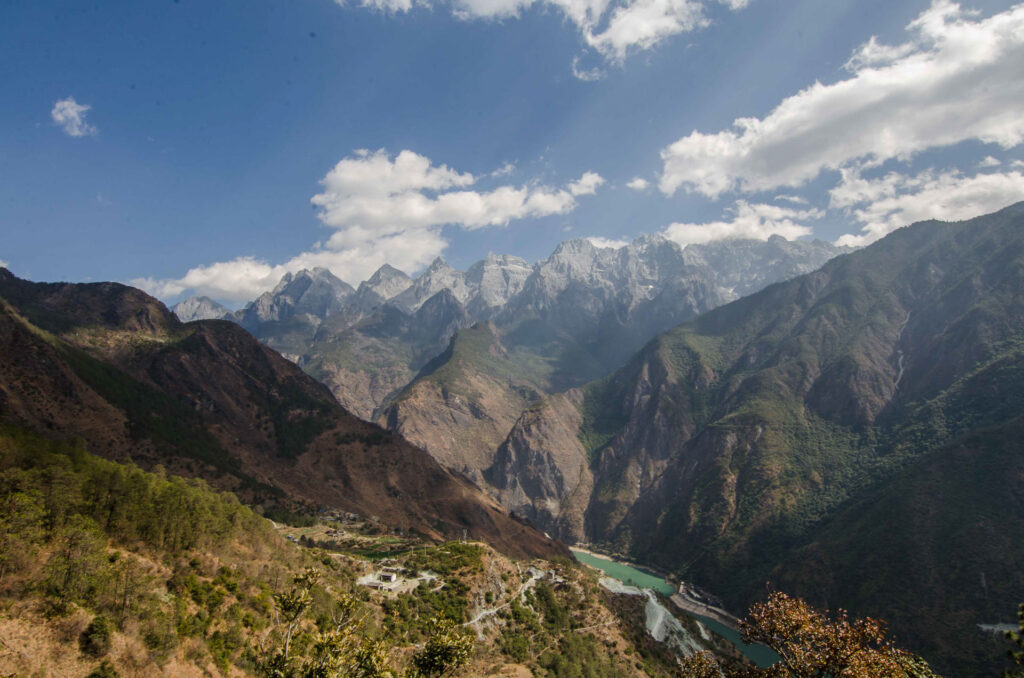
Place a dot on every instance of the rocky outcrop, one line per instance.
(199, 308)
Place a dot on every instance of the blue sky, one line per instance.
(209, 147)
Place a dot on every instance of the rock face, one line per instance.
(464, 402)
(200, 308)
(314, 294)
(541, 470)
(851, 433)
(112, 366)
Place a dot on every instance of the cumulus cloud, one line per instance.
(614, 29)
(958, 77)
(886, 203)
(749, 221)
(238, 280)
(641, 24)
(989, 162)
(638, 184)
(383, 209)
(607, 243)
(4, 264)
(70, 115)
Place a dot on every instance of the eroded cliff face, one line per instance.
(542, 471)
(360, 391)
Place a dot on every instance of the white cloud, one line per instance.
(586, 74)
(383, 209)
(638, 184)
(958, 77)
(795, 199)
(70, 115)
(614, 29)
(505, 170)
(989, 162)
(884, 204)
(587, 184)
(755, 222)
(241, 279)
(4, 264)
(608, 243)
(641, 24)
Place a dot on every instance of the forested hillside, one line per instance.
(107, 570)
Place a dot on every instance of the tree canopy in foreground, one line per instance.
(811, 644)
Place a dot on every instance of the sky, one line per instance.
(197, 147)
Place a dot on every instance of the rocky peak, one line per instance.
(497, 280)
(439, 276)
(741, 267)
(315, 293)
(386, 282)
(199, 308)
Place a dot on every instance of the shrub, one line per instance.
(95, 639)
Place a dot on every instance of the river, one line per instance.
(633, 576)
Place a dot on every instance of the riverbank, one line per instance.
(684, 597)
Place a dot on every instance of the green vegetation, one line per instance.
(603, 415)
(448, 558)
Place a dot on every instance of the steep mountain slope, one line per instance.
(567, 320)
(111, 365)
(786, 421)
(463, 403)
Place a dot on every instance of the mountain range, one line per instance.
(743, 415)
(512, 333)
